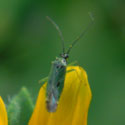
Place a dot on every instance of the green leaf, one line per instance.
(20, 108)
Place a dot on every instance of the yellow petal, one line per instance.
(3, 113)
(73, 104)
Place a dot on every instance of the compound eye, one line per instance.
(66, 56)
(64, 61)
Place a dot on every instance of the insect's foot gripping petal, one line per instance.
(42, 81)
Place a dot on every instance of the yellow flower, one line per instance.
(73, 104)
(3, 113)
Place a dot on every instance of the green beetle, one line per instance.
(56, 78)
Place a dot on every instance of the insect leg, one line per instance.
(68, 71)
(73, 63)
(42, 81)
(71, 70)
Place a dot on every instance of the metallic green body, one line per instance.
(57, 74)
(55, 83)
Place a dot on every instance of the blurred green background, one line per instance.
(28, 44)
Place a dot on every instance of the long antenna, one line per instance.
(59, 31)
(82, 34)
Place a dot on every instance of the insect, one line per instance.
(56, 78)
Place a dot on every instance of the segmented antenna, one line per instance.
(82, 34)
(59, 31)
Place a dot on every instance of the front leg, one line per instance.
(73, 63)
(74, 70)
(42, 81)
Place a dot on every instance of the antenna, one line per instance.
(59, 31)
(82, 34)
